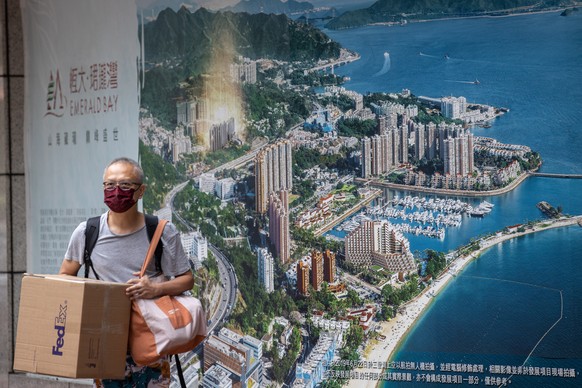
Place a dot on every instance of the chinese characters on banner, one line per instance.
(81, 111)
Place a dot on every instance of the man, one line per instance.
(119, 253)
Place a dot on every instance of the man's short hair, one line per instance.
(127, 160)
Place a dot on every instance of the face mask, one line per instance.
(119, 200)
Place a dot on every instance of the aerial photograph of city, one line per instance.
(371, 193)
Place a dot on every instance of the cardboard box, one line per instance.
(72, 327)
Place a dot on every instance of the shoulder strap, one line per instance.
(91, 235)
(151, 225)
(180, 373)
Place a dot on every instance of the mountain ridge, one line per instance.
(193, 36)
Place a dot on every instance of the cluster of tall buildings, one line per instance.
(323, 268)
(244, 71)
(385, 151)
(379, 243)
(451, 143)
(209, 121)
(221, 133)
(231, 359)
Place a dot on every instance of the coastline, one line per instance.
(398, 327)
(501, 15)
(463, 193)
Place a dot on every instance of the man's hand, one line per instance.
(142, 288)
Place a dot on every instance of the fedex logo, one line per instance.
(60, 323)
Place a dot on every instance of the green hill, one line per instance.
(194, 38)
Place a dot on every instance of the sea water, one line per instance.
(498, 309)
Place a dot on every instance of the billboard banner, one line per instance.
(81, 111)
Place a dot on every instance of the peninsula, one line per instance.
(397, 328)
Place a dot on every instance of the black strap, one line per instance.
(179, 369)
(92, 233)
(151, 225)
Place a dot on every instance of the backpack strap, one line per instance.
(180, 373)
(151, 225)
(91, 235)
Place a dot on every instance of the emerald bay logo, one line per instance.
(85, 90)
(56, 102)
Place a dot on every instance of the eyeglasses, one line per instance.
(125, 186)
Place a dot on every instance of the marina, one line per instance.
(418, 215)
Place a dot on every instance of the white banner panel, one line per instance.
(81, 111)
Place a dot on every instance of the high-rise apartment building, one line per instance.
(379, 243)
(403, 144)
(366, 157)
(329, 266)
(279, 232)
(273, 172)
(419, 141)
(266, 265)
(431, 141)
(316, 269)
(302, 278)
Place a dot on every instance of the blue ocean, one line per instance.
(520, 303)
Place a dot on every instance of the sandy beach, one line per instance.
(396, 329)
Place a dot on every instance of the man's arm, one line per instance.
(69, 267)
(146, 289)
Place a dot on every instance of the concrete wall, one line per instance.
(12, 197)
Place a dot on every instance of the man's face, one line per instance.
(124, 173)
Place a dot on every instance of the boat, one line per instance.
(487, 204)
(477, 213)
(476, 82)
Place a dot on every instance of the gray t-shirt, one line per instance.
(117, 256)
